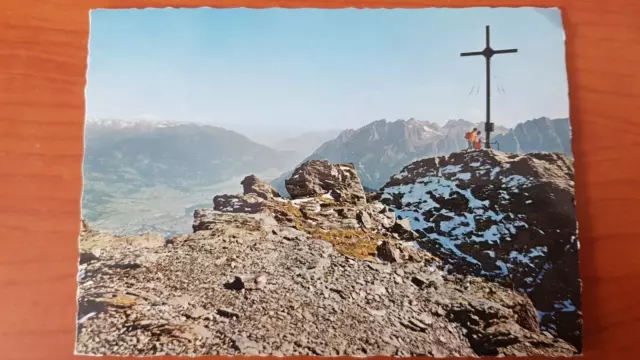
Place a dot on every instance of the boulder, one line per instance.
(388, 253)
(402, 227)
(84, 226)
(87, 256)
(399, 252)
(91, 241)
(319, 177)
(248, 204)
(228, 222)
(253, 185)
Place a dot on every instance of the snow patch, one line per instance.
(451, 169)
(565, 306)
(541, 314)
(87, 317)
(463, 176)
(492, 234)
(233, 205)
(516, 256)
(419, 193)
(328, 196)
(297, 202)
(459, 225)
(503, 267)
(538, 251)
(545, 268)
(515, 181)
(428, 129)
(448, 244)
(415, 219)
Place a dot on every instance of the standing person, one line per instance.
(471, 138)
(478, 143)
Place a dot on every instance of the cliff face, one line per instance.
(506, 217)
(326, 273)
(542, 134)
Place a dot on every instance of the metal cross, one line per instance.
(488, 52)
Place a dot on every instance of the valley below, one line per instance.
(163, 209)
(469, 253)
(133, 183)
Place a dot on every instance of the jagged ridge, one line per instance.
(508, 217)
(326, 274)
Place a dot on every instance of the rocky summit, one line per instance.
(329, 272)
(507, 217)
(317, 177)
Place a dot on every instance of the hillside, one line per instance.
(331, 272)
(507, 217)
(128, 164)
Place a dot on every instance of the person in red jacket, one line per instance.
(471, 138)
(478, 143)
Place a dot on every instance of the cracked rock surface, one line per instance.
(317, 275)
(249, 291)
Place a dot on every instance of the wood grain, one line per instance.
(43, 51)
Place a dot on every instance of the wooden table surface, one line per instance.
(43, 51)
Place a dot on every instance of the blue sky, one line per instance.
(309, 69)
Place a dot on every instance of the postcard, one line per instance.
(285, 182)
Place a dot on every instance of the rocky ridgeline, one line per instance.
(329, 273)
(507, 217)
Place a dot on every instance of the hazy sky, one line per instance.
(306, 69)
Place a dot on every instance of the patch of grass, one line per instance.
(287, 213)
(325, 200)
(354, 243)
(289, 209)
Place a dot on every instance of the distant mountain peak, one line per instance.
(381, 148)
(134, 122)
(456, 123)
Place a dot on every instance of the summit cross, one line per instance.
(488, 52)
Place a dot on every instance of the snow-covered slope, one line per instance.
(508, 217)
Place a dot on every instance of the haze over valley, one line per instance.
(142, 175)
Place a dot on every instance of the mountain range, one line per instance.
(176, 154)
(382, 148)
(130, 167)
(129, 164)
